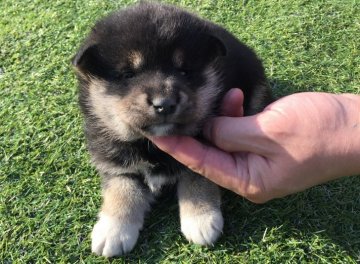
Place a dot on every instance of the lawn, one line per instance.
(50, 194)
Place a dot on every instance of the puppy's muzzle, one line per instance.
(164, 106)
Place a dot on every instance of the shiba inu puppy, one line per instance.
(150, 70)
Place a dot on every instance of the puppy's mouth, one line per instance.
(163, 129)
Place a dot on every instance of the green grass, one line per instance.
(50, 194)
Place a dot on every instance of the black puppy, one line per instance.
(152, 70)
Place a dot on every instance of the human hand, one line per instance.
(297, 142)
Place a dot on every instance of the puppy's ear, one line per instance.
(216, 46)
(89, 61)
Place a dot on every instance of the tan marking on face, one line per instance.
(123, 116)
(136, 59)
(169, 83)
(178, 58)
(110, 111)
(141, 99)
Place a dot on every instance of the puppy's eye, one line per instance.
(118, 76)
(183, 72)
(128, 74)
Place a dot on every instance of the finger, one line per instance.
(216, 165)
(232, 103)
(237, 134)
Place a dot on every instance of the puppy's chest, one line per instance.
(157, 169)
(157, 182)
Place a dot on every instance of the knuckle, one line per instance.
(256, 195)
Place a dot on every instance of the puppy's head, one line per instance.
(150, 70)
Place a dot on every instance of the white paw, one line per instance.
(202, 229)
(113, 237)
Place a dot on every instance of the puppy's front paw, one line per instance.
(112, 236)
(203, 229)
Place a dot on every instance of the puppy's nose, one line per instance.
(164, 106)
